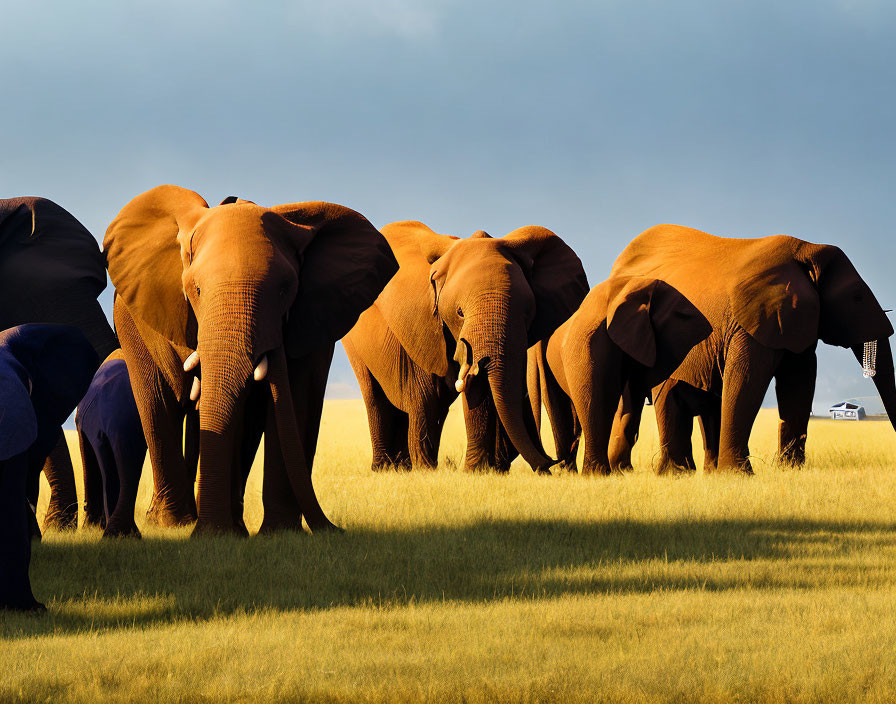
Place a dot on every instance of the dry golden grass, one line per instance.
(479, 588)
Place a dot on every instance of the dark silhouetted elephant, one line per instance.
(112, 449)
(44, 371)
(51, 271)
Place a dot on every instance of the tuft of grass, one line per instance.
(455, 587)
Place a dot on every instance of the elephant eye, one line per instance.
(197, 291)
(460, 313)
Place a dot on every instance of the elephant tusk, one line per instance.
(191, 361)
(194, 392)
(261, 371)
(461, 382)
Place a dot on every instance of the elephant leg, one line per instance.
(94, 514)
(281, 508)
(383, 419)
(62, 512)
(505, 452)
(191, 443)
(32, 492)
(626, 425)
(162, 418)
(710, 429)
(254, 422)
(424, 432)
(480, 423)
(308, 381)
(109, 472)
(596, 398)
(749, 368)
(675, 423)
(795, 389)
(15, 546)
(564, 423)
(129, 453)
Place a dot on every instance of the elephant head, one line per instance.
(652, 322)
(805, 292)
(496, 297)
(46, 369)
(247, 287)
(51, 270)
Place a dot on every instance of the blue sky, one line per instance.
(594, 119)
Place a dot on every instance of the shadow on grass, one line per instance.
(98, 585)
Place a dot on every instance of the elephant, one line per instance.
(51, 271)
(594, 372)
(237, 308)
(112, 449)
(458, 318)
(769, 301)
(44, 370)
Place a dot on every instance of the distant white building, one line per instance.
(847, 410)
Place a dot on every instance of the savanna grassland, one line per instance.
(450, 587)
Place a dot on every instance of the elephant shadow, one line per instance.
(93, 585)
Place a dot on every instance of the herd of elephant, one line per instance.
(226, 319)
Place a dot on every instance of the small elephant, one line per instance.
(44, 371)
(112, 449)
(51, 271)
(595, 372)
(457, 318)
(237, 307)
(769, 301)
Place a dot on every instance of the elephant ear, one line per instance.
(144, 257)
(345, 264)
(18, 423)
(555, 274)
(776, 303)
(678, 325)
(408, 302)
(850, 313)
(50, 265)
(628, 317)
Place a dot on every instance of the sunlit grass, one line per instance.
(456, 587)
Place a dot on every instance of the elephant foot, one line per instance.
(742, 470)
(169, 517)
(61, 517)
(28, 605)
(281, 525)
(595, 471)
(117, 529)
(791, 461)
(206, 527)
(94, 521)
(393, 467)
(671, 469)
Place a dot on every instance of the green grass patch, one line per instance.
(450, 587)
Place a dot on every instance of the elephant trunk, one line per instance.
(225, 350)
(883, 375)
(500, 336)
(291, 444)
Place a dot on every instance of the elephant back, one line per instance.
(51, 270)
